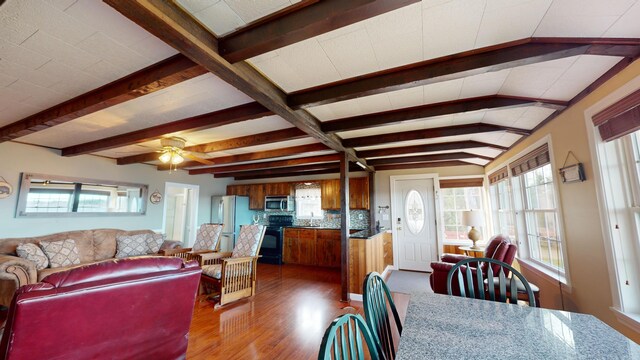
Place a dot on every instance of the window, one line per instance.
(308, 204)
(457, 197)
(524, 206)
(541, 217)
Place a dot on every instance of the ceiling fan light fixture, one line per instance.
(176, 158)
(165, 157)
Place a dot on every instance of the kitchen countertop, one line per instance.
(325, 228)
(450, 327)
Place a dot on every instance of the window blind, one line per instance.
(460, 183)
(619, 119)
(498, 175)
(533, 160)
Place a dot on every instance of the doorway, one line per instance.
(414, 221)
(180, 212)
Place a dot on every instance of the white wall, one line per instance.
(18, 158)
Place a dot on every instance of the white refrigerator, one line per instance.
(232, 211)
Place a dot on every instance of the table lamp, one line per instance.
(474, 219)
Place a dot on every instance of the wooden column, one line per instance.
(344, 225)
(372, 200)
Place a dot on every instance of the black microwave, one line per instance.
(278, 203)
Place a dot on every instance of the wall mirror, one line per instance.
(54, 196)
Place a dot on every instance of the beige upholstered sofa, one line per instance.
(93, 245)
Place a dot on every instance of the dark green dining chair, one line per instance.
(377, 302)
(343, 340)
(473, 284)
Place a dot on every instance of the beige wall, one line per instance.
(383, 186)
(18, 158)
(589, 279)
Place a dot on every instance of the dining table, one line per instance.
(451, 327)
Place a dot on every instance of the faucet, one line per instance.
(311, 219)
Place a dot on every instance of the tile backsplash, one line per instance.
(330, 219)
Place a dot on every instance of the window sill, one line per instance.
(629, 319)
(552, 277)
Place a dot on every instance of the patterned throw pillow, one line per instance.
(61, 253)
(250, 237)
(132, 245)
(208, 237)
(33, 253)
(154, 243)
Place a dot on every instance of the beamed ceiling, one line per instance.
(272, 88)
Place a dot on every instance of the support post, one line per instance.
(344, 225)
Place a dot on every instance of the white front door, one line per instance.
(415, 223)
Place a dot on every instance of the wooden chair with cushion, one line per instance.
(207, 241)
(377, 302)
(233, 275)
(343, 340)
(474, 284)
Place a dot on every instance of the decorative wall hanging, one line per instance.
(574, 172)
(5, 188)
(155, 197)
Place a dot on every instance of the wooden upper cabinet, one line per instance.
(330, 194)
(242, 190)
(256, 196)
(283, 189)
(358, 194)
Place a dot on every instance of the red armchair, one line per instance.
(499, 248)
(138, 308)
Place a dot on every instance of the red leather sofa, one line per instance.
(137, 308)
(499, 248)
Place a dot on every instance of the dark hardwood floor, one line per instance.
(285, 320)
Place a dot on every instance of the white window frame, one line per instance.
(485, 210)
(619, 228)
(494, 212)
(519, 220)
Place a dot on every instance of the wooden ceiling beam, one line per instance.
(423, 165)
(417, 149)
(174, 26)
(258, 155)
(473, 62)
(303, 173)
(306, 22)
(206, 121)
(429, 134)
(280, 170)
(426, 158)
(267, 164)
(161, 75)
(228, 144)
(438, 109)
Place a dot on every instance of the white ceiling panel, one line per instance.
(582, 18)
(627, 25)
(508, 20)
(196, 96)
(450, 27)
(225, 16)
(484, 84)
(533, 80)
(585, 70)
(404, 126)
(351, 54)
(304, 155)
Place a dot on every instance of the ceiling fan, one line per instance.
(173, 153)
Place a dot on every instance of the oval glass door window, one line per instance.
(414, 212)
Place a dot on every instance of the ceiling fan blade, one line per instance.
(198, 159)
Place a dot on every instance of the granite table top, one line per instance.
(448, 327)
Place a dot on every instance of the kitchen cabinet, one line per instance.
(291, 249)
(256, 196)
(330, 194)
(299, 246)
(242, 190)
(358, 194)
(328, 248)
(282, 189)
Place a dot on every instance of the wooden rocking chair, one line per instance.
(207, 241)
(233, 275)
